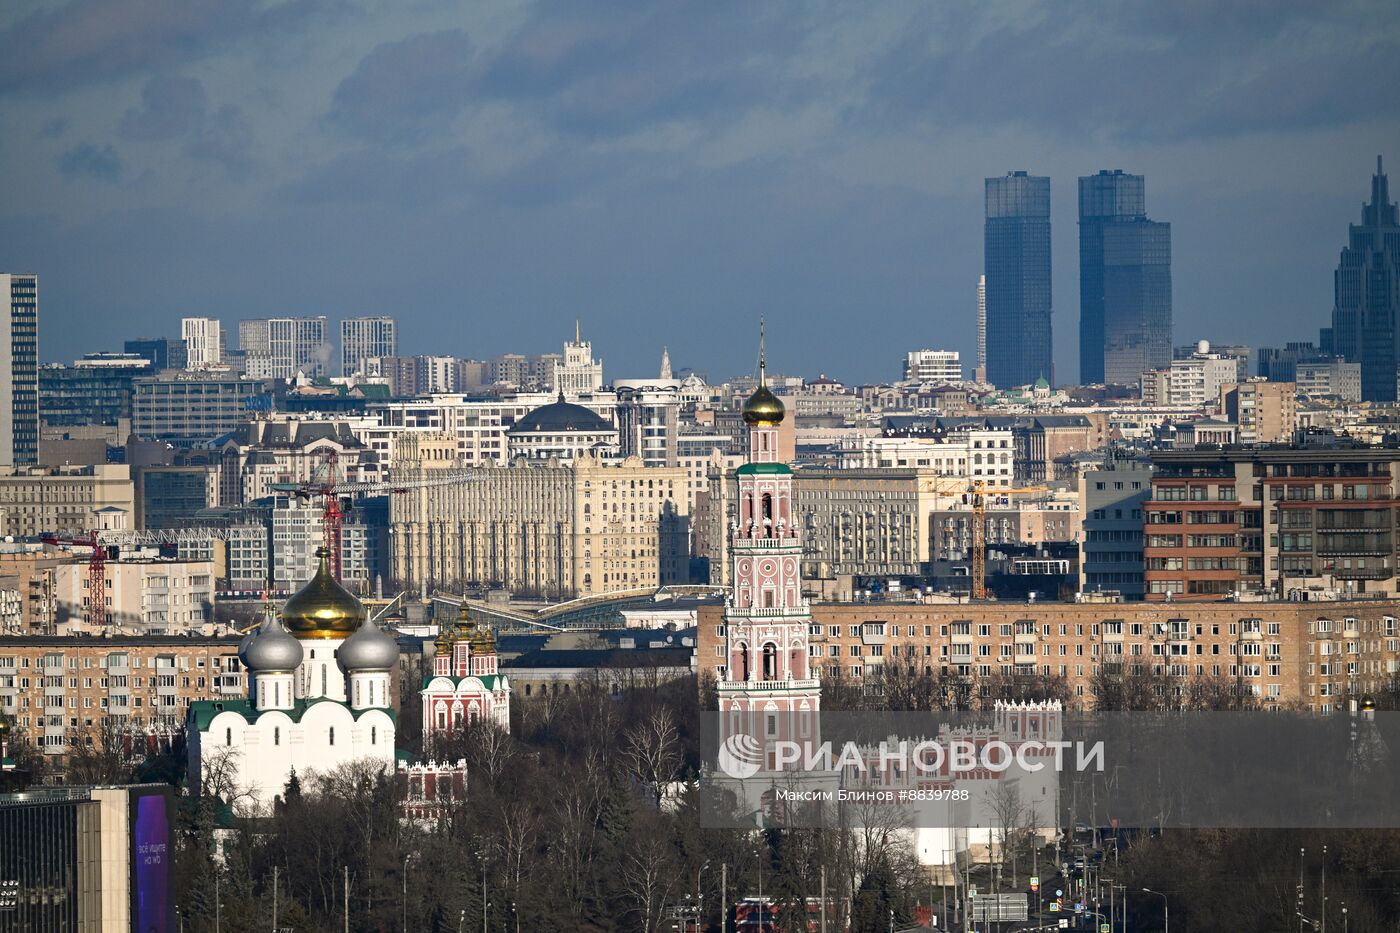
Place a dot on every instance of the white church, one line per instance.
(320, 683)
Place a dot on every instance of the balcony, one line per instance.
(809, 683)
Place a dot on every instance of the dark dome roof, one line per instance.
(560, 416)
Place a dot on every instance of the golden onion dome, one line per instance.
(322, 608)
(763, 407)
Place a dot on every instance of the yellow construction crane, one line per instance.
(979, 492)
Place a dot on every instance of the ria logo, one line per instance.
(740, 755)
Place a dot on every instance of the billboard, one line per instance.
(152, 860)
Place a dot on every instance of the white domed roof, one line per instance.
(272, 649)
(369, 649)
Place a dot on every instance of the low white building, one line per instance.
(931, 366)
(966, 457)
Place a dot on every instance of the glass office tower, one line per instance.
(1367, 287)
(1125, 282)
(1017, 260)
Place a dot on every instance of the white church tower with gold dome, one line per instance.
(766, 689)
(319, 697)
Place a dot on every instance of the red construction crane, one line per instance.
(332, 491)
(104, 541)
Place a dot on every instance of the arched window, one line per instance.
(770, 661)
(768, 515)
(744, 661)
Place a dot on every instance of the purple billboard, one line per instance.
(152, 905)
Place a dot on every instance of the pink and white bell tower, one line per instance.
(766, 688)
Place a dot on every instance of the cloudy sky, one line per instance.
(669, 171)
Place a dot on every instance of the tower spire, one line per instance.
(762, 357)
(578, 334)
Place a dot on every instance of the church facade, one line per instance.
(319, 697)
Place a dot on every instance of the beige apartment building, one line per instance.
(143, 596)
(39, 500)
(1282, 654)
(536, 528)
(1266, 412)
(58, 691)
(28, 587)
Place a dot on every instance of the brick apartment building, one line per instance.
(1284, 654)
(1296, 522)
(57, 691)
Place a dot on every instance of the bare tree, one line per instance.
(651, 750)
(649, 875)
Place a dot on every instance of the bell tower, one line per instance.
(766, 688)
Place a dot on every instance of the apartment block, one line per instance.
(1266, 412)
(19, 370)
(59, 691)
(365, 337)
(1110, 547)
(38, 500)
(143, 596)
(1278, 654)
(204, 342)
(1297, 522)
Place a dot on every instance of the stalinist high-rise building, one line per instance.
(766, 689)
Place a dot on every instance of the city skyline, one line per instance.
(471, 172)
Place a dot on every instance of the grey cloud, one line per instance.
(88, 160)
(406, 89)
(92, 40)
(54, 128)
(602, 68)
(1148, 72)
(171, 106)
(225, 138)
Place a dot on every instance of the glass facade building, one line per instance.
(1125, 282)
(163, 352)
(95, 390)
(1367, 287)
(1017, 267)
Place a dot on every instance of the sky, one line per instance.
(669, 172)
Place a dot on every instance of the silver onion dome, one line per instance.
(369, 649)
(272, 650)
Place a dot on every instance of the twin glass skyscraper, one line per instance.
(1017, 258)
(1125, 282)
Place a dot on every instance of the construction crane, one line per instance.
(978, 494)
(334, 492)
(103, 541)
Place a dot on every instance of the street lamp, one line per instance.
(406, 859)
(1166, 916)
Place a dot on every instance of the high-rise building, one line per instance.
(365, 337)
(204, 341)
(1017, 259)
(163, 352)
(1125, 281)
(981, 328)
(19, 371)
(282, 347)
(1367, 287)
(577, 372)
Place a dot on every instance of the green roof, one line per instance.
(488, 681)
(764, 469)
(204, 711)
